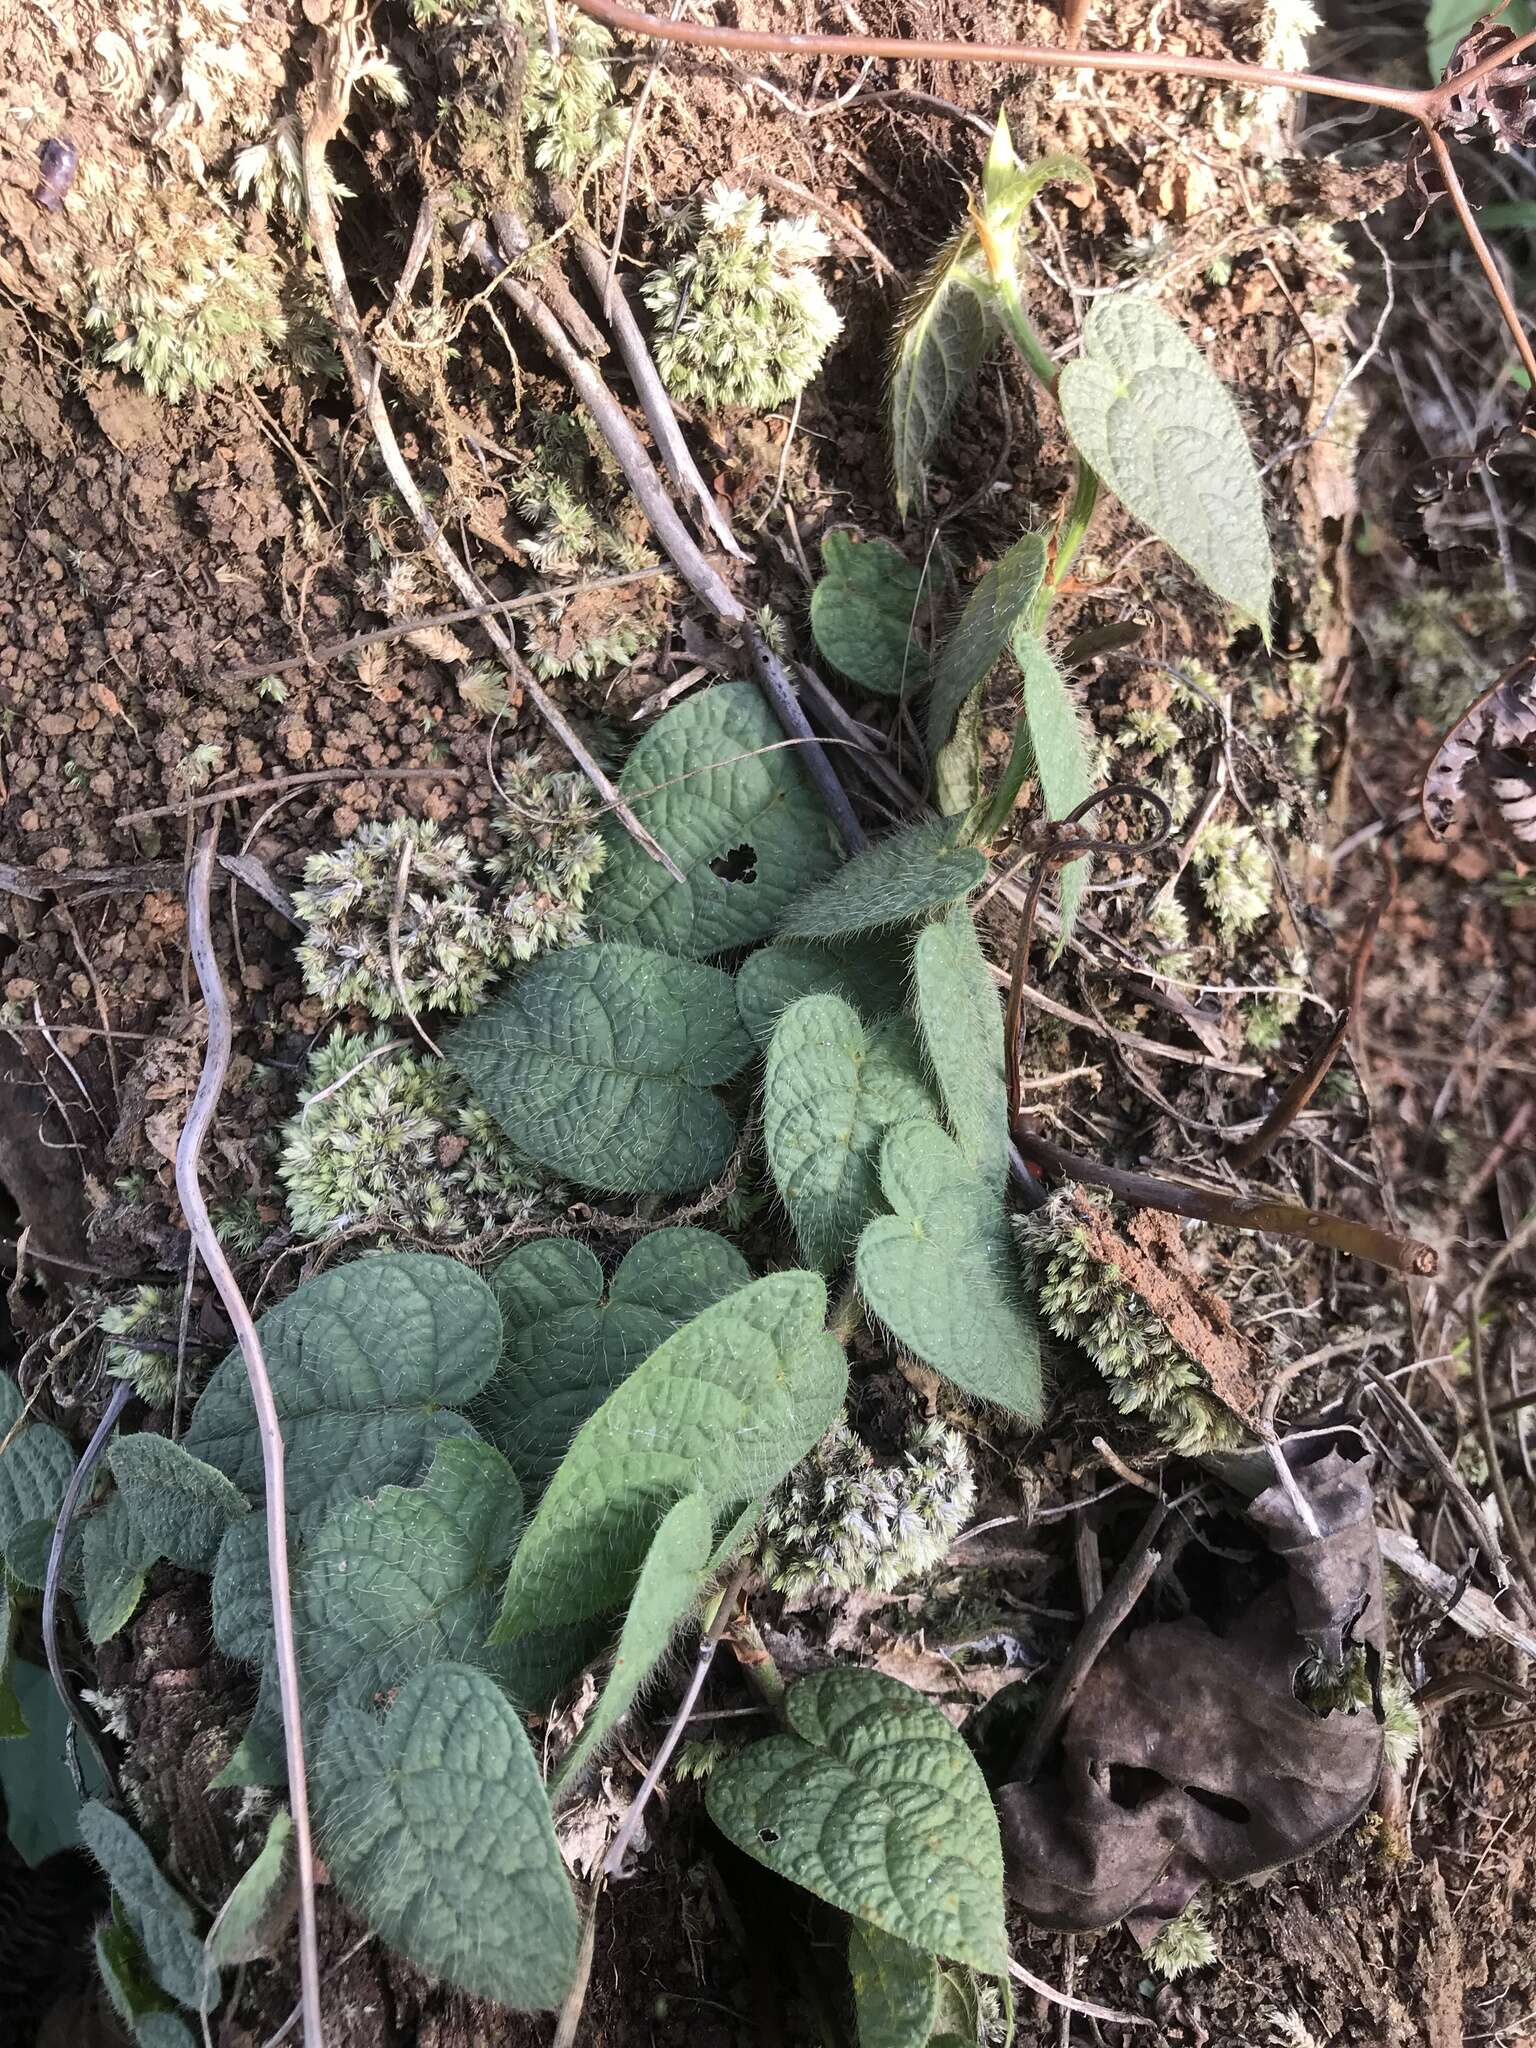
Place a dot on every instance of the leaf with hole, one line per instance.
(571, 1337)
(598, 1062)
(866, 615)
(875, 1804)
(724, 1408)
(960, 1021)
(666, 1593)
(253, 1919)
(718, 786)
(1147, 411)
(941, 1273)
(831, 1090)
(368, 1363)
(435, 1828)
(895, 1989)
(892, 882)
(1002, 600)
(156, 1912)
(35, 1468)
(1061, 754)
(869, 973)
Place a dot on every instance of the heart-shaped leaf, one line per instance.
(1061, 757)
(830, 1092)
(407, 1577)
(1002, 599)
(946, 330)
(960, 1017)
(866, 615)
(252, 1920)
(435, 1829)
(570, 1343)
(598, 1062)
(35, 1468)
(715, 784)
(875, 1804)
(895, 1989)
(724, 1408)
(941, 1274)
(1159, 426)
(367, 1363)
(892, 882)
(155, 1911)
(869, 973)
(666, 1592)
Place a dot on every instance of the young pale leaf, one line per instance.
(570, 1343)
(670, 1581)
(367, 1363)
(865, 615)
(895, 1989)
(947, 327)
(155, 1911)
(1009, 188)
(869, 973)
(35, 1468)
(830, 1092)
(960, 1018)
(407, 1577)
(941, 1274)
(717, 786)
(435, 1829)
(1060, 748)
(723, 1408)
(1001, 600)
(892, 882)
(958, 764)
(875, 1804)
(1154, 420)
(252, 1920)
(598, 1062)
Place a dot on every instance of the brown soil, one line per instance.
(153, 558)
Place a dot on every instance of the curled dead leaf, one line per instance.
(1498, 732)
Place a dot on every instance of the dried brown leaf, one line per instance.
(1497, 729)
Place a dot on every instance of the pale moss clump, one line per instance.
(1346, 1688)
(147, 1312)
(399, 1145)
(570, 108)
(1235, 879)
(1185, 1944)
(1148, 1373)
(448, 948)
(741, 316)
(550, 854)
(842, 1521)
(1267, 1019)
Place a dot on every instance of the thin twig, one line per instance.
(1509, 1518)
(1085, 2006)
(74, 1493)
(195, 1209)
(1120, 1596)
(231, 793)
(1477, 1525)
(396, 969)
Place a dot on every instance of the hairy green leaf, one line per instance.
(35, 1468)
(864, 615)
(830, 1092)
(435, 1829)
(162, 2030)
(178, 1507)
(114, 1568)
(1009, 188)
(1158, 425)
(367, 1363)
(869, 973)
(253, 1919)
(156, 1912)
(569, 1343)
(598, 1062)
(724, 1408)
(715, 783)
(893, 881)
(1060, 748)
(960, 1018)
(409, 1576)
(875, 1804)
(37, 1794)
(941, 1274)
(1000, 601)
(957, 766)
(947, 328)
(13, 1720)
(666, 1592)
(136, 1998)
(895, 1989)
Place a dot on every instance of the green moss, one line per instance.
(1185, 1944)
(1347, 1689)
(1235, 878)
(549, 855)
(147, 1312)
